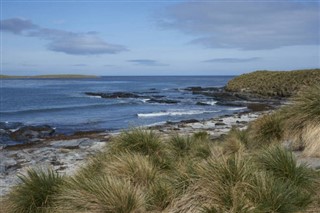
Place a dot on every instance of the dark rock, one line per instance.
(232, 103)
(220, 124)
(192, 89)
(10, 125)
(114, 95)
(190, 121)
(202, 89)
(162, 101)
(32, 133)
(202, 104)
(256, 107)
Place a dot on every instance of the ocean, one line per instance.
(63, 104)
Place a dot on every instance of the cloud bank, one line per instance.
(246, 25)
(147, 62)
(72, 43)
(232, 60)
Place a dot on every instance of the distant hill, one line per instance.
(50, 76)
(274, 83)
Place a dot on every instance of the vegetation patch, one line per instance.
(274, 83)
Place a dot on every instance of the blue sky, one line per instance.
(158, 37)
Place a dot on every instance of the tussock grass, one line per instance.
(100, 194)
(140, 172)
(236, 141)
(282, 164)
(303, 120)
(136, 168)
(35, 193)
(266, 130)
(144, 142)
(138, 140)
(270, 194)
(196, 146)
(224, 182)
(274, 83)
(311, 140)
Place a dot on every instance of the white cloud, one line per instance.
(62, 41)
(247, 25)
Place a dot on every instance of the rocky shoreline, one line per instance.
(41, 146)
(67, 153)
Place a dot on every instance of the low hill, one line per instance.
(274, 83)
(50, 76)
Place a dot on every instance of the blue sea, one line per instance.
(63, 104)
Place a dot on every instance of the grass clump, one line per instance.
(303, 120)
(138, 140)
(100, 194)
(236, 141)
(136, 168)
(282, 164)
(266, 130)
(35, 193)
(270, 194)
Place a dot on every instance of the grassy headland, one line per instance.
(47, 76)
(274, 83)
(251, 170)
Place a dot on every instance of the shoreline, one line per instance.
(65, 154)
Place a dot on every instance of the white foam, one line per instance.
(210, 102)
(94, 96)
(173, 113)
(145, 100)
(237, 108)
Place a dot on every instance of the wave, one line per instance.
(174, 113)
(237, 108)
(210, 102)
(63, 108)
(145, 100)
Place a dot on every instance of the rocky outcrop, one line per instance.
(32, 133)
(254, 102)
(113, 95)
(150, 98)
(162, 101)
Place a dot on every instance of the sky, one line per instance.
(157, 37)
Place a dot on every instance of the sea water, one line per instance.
(63, 104)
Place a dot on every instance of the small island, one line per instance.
(58, 76)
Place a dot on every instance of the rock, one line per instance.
(10, 125)
(32, 133)
(114, 95)
(195, 90)
(70, 144)
(220, 124)
(189, 121)
(257, 107)
(162, 101)
(231, 103)
(202, 104)
(7, 163)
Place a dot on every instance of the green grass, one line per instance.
(125, 178)
(274, 83)
(100, 194)
(35, 193)
(266, 130)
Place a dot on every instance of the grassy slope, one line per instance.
(274, 83)
(49, 76)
